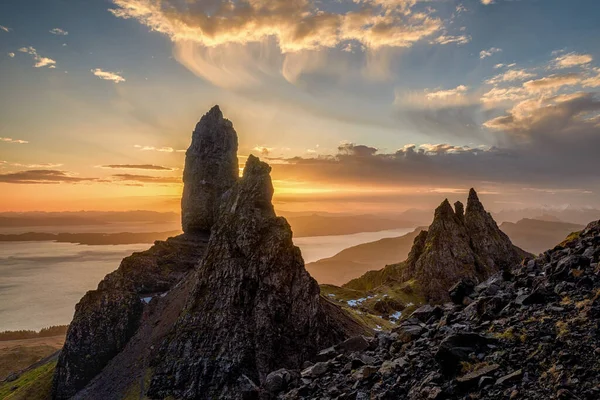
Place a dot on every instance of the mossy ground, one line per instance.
(361, 304)
(31, 385)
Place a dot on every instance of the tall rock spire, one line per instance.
(211, 168)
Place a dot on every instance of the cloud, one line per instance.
(487, 2)
(138, 166)
(440, 98)
(553, 82)
(147, 179)
(510, 76)
(11, 55)
(42, 176)
(58, 31)
(107, 75)
(40, 61)
(263, 150)
(572, 60)
(5, 29)
(11, 140)
(488, 53)
(159, 149)
(36, 166)
(295, 25)
(445, 39)
(544, 116)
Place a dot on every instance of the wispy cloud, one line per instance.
(510, 76)
(447, 39)
(11, 140)
(138, 166)
(11, 55)
(147, 179)
(263, 150)
(5, 29)
(553, 82)
(572, 60)
(42, 176)
(107, 75)
(487, 2)
(159, 149)
(58, 31)
(40, 61)
(488, 53)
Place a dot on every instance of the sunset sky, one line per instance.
(359, 105)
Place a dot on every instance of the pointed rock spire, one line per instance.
(253, 308)
(459, 209)
(473, 203)
(211, 168)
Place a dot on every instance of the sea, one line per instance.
(41, 282)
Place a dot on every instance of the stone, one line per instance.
(473, 378)
(356, 343)
(456, 348)
(460, 290)
(427, 312)
(514, 376)
(211, 169)
(280, 380)
(408, 332)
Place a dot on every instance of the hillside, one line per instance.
(355, 261)
(529, 332)
(537, 236)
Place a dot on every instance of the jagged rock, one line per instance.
(459, 246)
(253, 308)
(458, 347)
(460, 290)
(211, 168)
(107, 318)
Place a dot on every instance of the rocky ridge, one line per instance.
(203, 315)
(531, 331)
(458, 244)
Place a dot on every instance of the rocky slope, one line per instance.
(458, 244)
(201, 316)
(529, 332)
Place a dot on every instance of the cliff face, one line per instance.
(211, 168)
(253, 309)
(203, 316)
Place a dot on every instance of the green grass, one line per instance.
(31, 385)
(365, 312)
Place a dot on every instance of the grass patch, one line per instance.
(31, 385)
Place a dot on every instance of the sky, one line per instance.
(358, 105)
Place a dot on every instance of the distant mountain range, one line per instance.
(536, 235)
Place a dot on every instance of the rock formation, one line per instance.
(529, 332)
(107, 318)
(458, 244)
(224, 309)
(253, 309)
(211, 168)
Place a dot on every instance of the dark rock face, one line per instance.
(211, 168)
(253, 310)
(106, 319)
(105, 322)
(458, 246)
(493, 345)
